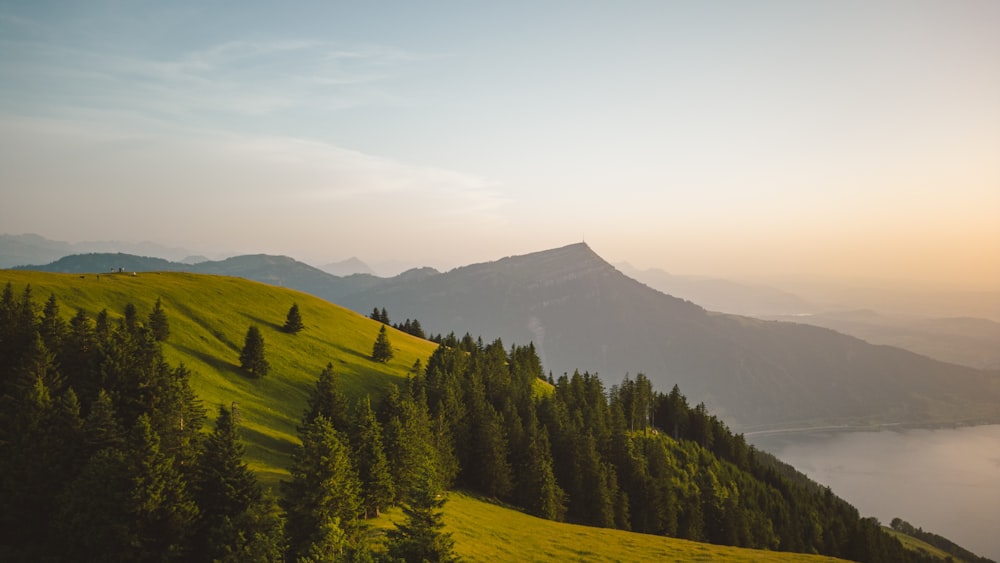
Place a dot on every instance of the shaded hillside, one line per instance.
(582, 313)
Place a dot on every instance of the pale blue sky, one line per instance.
(728, 138)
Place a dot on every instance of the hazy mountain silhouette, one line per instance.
(584, 314)
(19, 250)
(352, 265)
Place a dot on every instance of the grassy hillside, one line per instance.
(487, 532)
(209, 317)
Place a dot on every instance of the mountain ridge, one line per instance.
(584, 314)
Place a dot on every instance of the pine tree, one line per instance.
(328, 400)
(382, 350)
(541, 495)
(158, 322)
(252, 356)
(52, 327)
(321, 500)
(377, 489)
(128, 504)
(224, 488)
(293, 321)
(420, 537)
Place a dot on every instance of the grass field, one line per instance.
(484, 531)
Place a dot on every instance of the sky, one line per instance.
(856, 139)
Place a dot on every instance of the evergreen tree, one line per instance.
(225, 490)
(252, 356)
(293, 321)
(540, 494)
(377, 489)
(52, 327)
(328, 400)
(128, 504)
(321, 500)
(158, 322)
(419, 537)
(382, 350)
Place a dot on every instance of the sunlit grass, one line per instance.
(484, 531)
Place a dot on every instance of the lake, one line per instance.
(946, 481)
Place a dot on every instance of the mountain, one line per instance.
(347, 267)
(582, 313)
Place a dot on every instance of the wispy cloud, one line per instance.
(227, 80)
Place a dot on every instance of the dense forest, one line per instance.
(103, 457)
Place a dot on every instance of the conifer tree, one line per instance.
(321, 500)
(293, 321)
(328, 400)
(382, 349)
(158, 322)
(420, 537)
(540, 494)
(377, 489)
(52, 327)
(128, 504)
(252, 356)
(225, 489)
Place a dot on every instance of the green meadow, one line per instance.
(485, 531)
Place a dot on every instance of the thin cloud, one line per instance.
(250, 78)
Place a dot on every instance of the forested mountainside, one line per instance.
(579, 310)
(105, 438)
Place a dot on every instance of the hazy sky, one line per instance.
(730, 138)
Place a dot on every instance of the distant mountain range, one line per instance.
(19, 250)
(583, 313)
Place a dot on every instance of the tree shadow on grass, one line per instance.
(215, 362)
(262, 322)
(275, 446)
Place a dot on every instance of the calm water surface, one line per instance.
(946, 481)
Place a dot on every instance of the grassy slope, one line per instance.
(209, 316)
(914, 544)
(487, 532)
